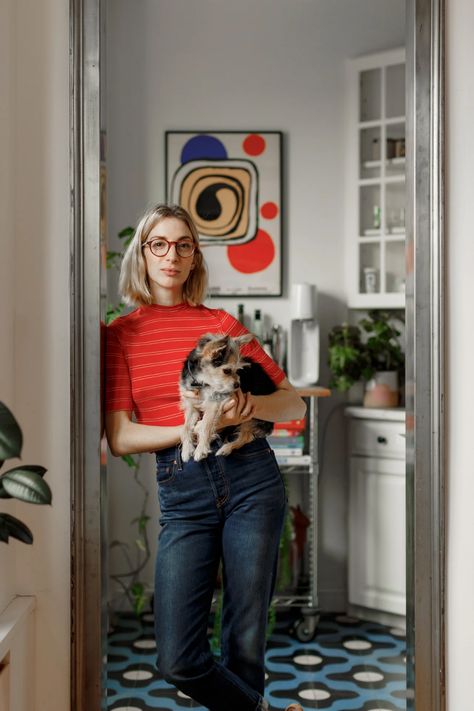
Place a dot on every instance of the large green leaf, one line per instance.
(13, 528)
(25, 467)
(26, 485)
(11, 439)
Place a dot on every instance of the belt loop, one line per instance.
(179, 461)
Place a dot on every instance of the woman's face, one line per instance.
(168, 273)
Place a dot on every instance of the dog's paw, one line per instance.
(197, 427)
(225, 450)
(187, 452)
(200, 453)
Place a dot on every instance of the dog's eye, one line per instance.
(227, 371)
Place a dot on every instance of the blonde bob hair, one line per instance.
(133, 283)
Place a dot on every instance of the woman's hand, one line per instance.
(239, 408)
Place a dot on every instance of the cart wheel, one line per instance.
(305, 629)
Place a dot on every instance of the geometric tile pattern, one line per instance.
(350, 665)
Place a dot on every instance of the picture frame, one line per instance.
(231, 184)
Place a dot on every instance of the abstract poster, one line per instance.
(230, 183)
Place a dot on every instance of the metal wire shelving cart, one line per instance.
(305, 598)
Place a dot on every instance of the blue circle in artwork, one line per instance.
(203, 147)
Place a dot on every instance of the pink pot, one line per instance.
(382, 390)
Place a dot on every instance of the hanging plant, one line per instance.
(135, 561)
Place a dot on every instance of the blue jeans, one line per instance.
(220, 507)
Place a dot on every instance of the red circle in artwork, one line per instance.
(254, 144)
(255, 256)
(269, 210)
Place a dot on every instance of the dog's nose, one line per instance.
(236, 386)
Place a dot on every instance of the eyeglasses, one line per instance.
(160, 247)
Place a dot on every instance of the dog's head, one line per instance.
(216, 361)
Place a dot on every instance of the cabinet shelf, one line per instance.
(380, 122)
(375, 256)
(389, 161)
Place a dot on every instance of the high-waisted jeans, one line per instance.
(230, 508)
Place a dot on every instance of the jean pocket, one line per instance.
(165, 470)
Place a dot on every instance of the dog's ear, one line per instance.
(245, 338)
(203, 341)
(219, 351)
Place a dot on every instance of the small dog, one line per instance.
(216, 369)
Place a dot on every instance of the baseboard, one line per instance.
(383, 618)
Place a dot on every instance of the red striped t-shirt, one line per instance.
(146, 350)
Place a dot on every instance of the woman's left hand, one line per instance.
(239, 408)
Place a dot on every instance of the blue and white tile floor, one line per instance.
(351, 665)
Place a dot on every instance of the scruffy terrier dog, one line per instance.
(215, 369)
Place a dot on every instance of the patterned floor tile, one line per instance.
(350, 665)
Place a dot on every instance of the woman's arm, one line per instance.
(283, 404)
(127, 437)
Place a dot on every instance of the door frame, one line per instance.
(425, 372)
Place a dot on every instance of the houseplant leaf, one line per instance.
(11, 527)
(26, 485)
(11, 439)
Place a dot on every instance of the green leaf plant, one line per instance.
(24, 482)
(358, 352)
(135, 561)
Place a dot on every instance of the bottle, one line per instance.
(376, 217)
(240, 313)
(258, 325)
(267, 344)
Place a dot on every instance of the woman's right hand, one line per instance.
(239, 408)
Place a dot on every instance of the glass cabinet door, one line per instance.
(381, 184)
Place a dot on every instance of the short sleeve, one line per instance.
(118, 389)
(252, 350)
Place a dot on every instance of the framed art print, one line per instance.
(230, 183)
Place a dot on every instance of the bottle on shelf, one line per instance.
(278, 346)
(240, 313)
(376, 217)
(258, 325)
(267, 344)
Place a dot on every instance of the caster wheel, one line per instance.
(305, 629)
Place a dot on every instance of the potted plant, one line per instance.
(370, 352)
(24, 482)
(386, 359)
(347, 358)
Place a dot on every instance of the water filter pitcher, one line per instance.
(303, 361)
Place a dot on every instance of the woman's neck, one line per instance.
(166, 297)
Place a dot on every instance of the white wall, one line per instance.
(34, 298)
(7, 247)
(460, 347)
(274, 64)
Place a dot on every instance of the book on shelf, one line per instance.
(288, 451)
(293, 460)
(294, 441)
(291, 425)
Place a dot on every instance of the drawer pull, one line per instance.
(381, 440)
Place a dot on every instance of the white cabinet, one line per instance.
(375, 190)
(376, 573)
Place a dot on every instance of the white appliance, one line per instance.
(303, 353)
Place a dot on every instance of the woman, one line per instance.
(220, 507)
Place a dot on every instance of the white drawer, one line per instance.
(373, 438)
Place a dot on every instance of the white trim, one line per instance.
(12, 619)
